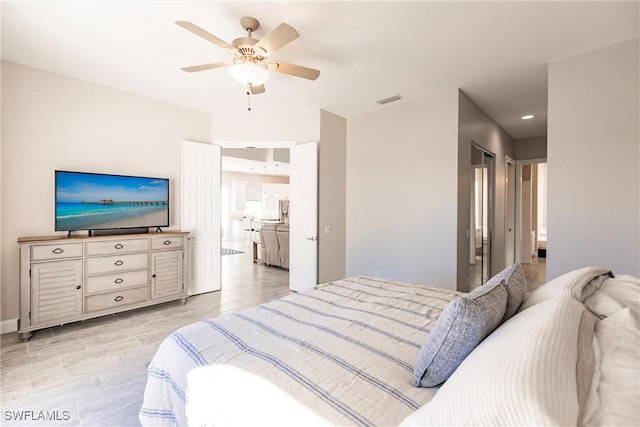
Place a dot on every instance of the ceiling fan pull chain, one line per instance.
(249, 97)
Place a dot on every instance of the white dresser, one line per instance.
(66, 279)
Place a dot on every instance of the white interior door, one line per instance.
(303, 221)
(201, 182)
(510, 206)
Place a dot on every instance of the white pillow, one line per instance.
(577, 284)
(616, 294)
(525, 373)
(617, 393)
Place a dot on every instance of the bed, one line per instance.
(368, 351)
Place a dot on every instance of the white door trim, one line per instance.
(507, 214)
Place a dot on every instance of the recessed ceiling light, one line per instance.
(527, 117)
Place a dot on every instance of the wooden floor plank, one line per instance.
(60, 367)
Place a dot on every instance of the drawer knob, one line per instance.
(167, 242)
(78, 287)
(119, 262)
(119, 246)
(118, 298)
(118, 281)
(57, 251)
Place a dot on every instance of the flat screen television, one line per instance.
(94, 201)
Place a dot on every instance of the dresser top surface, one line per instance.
(72, 239)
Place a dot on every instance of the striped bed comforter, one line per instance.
(341, 354)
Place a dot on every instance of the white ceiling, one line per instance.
(255, 167)
(496, 52)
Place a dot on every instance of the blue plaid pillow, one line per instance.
(462, 325)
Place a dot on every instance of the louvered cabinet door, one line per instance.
(166, 274)
(56, 291)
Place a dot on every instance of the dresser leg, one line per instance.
(184, 300)
(24, 336)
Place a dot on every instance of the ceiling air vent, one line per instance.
(389, 99)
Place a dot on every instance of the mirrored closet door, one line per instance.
(481, 216)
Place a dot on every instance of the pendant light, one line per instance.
(277, 194)
(264, 182)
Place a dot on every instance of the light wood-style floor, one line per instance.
(94, 372)
(535, 273)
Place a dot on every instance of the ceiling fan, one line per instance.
(250, 64)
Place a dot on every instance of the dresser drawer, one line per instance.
(59, 251)
(109, 247)
(166, 242)
(114, 299)
(115, 281)
(115, 263)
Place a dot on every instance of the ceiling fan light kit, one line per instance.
(251, 62)
(249, 73)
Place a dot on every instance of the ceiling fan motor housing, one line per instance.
(245, 46)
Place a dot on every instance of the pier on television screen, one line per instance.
(93, 201)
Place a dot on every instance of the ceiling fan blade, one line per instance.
(296, 70)
(210, 66)
(257, 89)
(281, 35)
(205, 35)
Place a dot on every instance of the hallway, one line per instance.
(535, 272)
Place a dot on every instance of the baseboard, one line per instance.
(9, 325)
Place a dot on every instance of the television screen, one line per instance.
(92, 201)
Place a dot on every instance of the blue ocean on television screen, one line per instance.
(93, 201)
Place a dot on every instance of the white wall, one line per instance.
(332, 192)
(593, 161)
(53, 122)
(402, 167)
(263, 127)
(531, 148)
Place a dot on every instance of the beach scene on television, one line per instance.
(86, 201)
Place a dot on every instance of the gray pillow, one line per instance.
(516, 285)
(462, 325)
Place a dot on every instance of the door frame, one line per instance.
(275, 145)
(491, 186)
(510, 162)
(518, 223)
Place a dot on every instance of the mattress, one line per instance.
(341, 354)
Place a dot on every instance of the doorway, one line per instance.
(201, 216)
(530, 219)
(255, 188)
(481, 216)
(266, 183)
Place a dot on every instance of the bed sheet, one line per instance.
(341, 354)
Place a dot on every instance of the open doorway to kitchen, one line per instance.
(255, 217)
